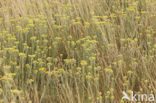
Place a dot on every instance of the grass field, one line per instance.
(76, 51)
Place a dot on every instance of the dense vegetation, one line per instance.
(76, 51)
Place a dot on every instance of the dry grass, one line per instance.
(76, 51)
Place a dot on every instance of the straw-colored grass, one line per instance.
(76, 51)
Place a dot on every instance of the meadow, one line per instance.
(76, 51)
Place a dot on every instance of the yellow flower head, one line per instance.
(83, 63)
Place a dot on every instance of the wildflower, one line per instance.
(22, 55)
(108, 93)
(33, 38)
(129, 72)
(146, 81)
(28, 66)
(73, 43)
(92, 58)
(77, 73)
(89, 67)
(16, 91)
(83, 62)
(135, 40)
(61, 70)
(19, 28)
(131, 9)
(11, 74)
(42, 69)
(100, 93)
(48, 72)
(55, 60)
(49, 64)
(69, 37)
(13, 63)
(78, 68)
(108, 70)
(70, 61)
(7, 67)
(31, 56)
(97, 68)
(26, 30)
(114, 63)
(120, 61)
(88, 76)
(35, 62)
